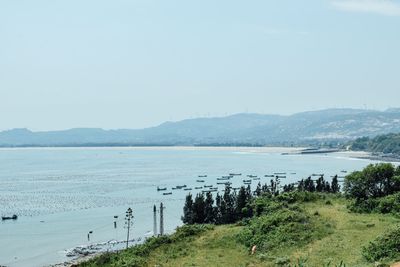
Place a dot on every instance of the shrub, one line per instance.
(386, 246)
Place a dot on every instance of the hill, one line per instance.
(387, 144)
(332, 125)
(218, 245)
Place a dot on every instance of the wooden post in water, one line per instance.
(161, 219)
(155, 220)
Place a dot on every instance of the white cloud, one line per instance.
(383, 7)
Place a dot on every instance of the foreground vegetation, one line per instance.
(300, 227)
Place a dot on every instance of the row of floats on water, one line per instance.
(225, 180)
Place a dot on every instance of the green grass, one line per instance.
(342, 238)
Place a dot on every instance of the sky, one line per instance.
(138, 63)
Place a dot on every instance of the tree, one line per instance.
(372, 182)
(258, 190)
(335, 187)
(199, 209)
(241, 202)
(320, 184)
(209, 209)
(188, 210)
(228, 205)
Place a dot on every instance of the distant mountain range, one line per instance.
(331, 125)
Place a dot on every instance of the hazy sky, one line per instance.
(137, 63)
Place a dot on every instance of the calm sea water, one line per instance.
(61, 194)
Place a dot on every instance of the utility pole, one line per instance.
(155, 220)
(128, 218)
(161, 219)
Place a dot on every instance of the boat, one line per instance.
(207, 186)
(200, 181)
(343, 171)
(222, 178)
(14, 217)
(246, 181)
(293, 173)
(161, 188)
(235, 174)
(202, 176)
(198, 187)
(269, 175)
(279, 173)
(227, 176)
(167, 193)
(187, 189)
(280, 176)
(180, 186)
(317, 174)
(251, 176)
(226, 183)
(256, 178)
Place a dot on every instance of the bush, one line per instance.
(386, 246)
(388, 204)
(282, 228)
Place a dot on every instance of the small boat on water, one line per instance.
(200, 181)
(198, 187)
(208, 186)
(161, 188)
(279, 173)
(256, 178)
(235, 174)
(251, 176)
(167, 193)
(222, 178)
(269, 175)
(317, 174)
(187, 189)
(292, 173)
(280, 176)
(202, 176)
(226, 183)
(246, 181)
(343, 171)
(180, 186)
(14, 217)
(227, 176)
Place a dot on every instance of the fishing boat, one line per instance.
(279, 173)
(256, 178)
(343, 171)
(187, 189)
(280, 176)
(180, 186)
(269, 175)
(198, 187)
(14, 217)
(251, 176)
(200, 181)
(246, 181)
(317, 174)
(226, 183)
(227, 176)
(235, 174)
(222, 178)
(202, 176)
(167, 193)
(207, 186)
(161, 188)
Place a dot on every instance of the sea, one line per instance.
(69, 197)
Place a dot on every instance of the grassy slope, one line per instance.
(218, 247)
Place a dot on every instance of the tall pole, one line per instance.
(161, 219)
(154, 220)
(128, 218)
